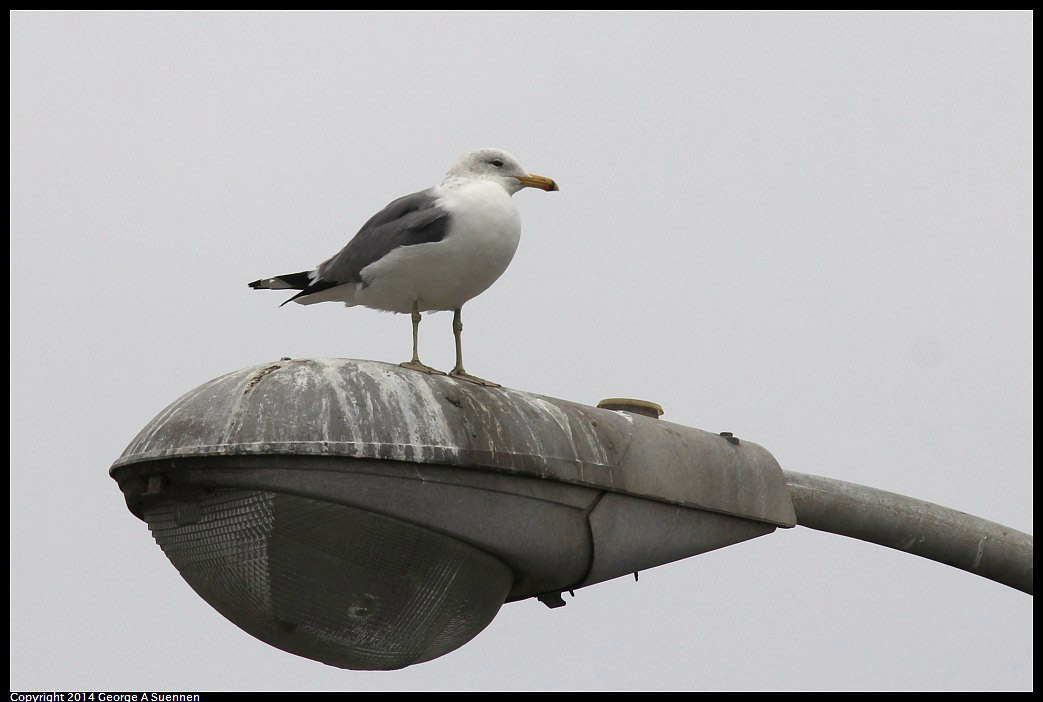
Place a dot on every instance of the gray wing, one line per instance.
(407, 221)
(410, 220)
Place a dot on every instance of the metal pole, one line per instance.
(922, 528)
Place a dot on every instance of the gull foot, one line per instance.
(418, 366)
(464, 375)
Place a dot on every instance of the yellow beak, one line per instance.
(535, 181)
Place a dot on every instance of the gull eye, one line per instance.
(497, 162)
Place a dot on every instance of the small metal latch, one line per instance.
(551, 599)
(156, 483)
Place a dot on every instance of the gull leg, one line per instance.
(458, 371)
(414, 363)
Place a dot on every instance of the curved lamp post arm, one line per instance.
(922, 528)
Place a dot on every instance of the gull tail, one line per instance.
(290, 281)
(307, 283)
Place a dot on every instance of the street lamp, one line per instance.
(371, 517)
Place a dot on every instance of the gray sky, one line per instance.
(814, 230)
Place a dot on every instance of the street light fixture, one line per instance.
(372, 517)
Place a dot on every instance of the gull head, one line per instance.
(498, 166)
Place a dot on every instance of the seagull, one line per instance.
(431, 250)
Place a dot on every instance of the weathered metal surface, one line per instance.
(553, 535)
(925, 529)
(365, 409)
(629, 534)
